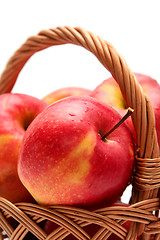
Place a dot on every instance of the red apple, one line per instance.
(65, 160)
(152, 90)
(65, 92)
(16, 113)
(109, 92)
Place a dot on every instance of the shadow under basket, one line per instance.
(26, 220)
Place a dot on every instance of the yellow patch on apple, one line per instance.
(5, 141)
(7, 144)
(82, 167)
(72, 169)
(115, 95)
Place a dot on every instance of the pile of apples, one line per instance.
(61, 150)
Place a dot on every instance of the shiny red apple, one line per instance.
(65, 92)
(109, 92)
(16, 113)
(65, 158)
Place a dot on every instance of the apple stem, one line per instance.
(128, 114)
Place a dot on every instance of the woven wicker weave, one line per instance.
(144, 208)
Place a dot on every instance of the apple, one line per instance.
(65, 159)
(16, 113)
(109, 92)
(65, 92)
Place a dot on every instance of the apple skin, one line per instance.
(16, 113)
(109, 92)
(65, 92)
(152, 90)
(63, 159)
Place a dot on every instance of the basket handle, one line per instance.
(143, 117)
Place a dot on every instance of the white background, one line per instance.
(133, 27)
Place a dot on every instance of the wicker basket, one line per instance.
(71, 221)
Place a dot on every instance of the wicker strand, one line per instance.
(139, 212)
(82, 214)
